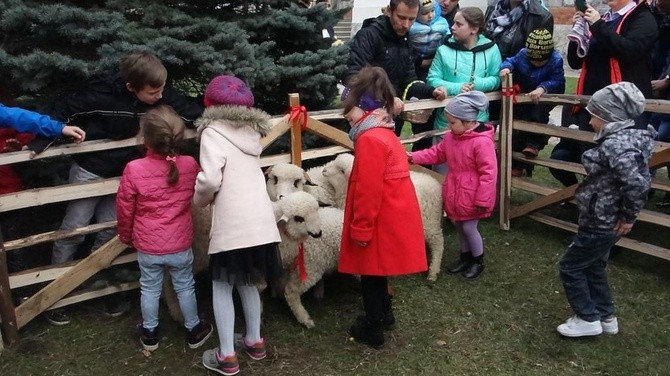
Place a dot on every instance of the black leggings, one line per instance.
(375, 296)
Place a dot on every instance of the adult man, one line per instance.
(448, 9)
(383, 42)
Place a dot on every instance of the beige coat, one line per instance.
(232, 180)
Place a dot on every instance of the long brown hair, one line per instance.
(474, 17)
(372, 81)
(162, 130)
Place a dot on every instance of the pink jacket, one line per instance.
(152, 216)
(473, 172)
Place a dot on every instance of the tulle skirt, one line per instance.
(246, 266)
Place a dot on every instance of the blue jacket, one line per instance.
(549, 76)
(427, 38)
(28, 121)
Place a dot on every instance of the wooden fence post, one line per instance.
(10, 331)
(505, 174)
(296, 132)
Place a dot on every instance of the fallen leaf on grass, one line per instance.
(146, 353)
(441, 342)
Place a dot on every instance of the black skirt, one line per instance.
(246, 266)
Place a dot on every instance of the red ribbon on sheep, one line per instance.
(299, 263)
(298, 113)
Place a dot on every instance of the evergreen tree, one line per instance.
(276, 46)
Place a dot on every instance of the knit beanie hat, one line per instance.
(228, 90)
(617, 102)
(467, 106)
(539, 45)
(425, 6)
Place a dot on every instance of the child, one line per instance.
(153, 206)
(610, 197)
(538, 69)
(469, 190)
(244, 235)
(110, 108)
(27, 121)
(427, 34)
(383, 233)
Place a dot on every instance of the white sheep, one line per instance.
(286, 178)
(321, 250)
(428, 192)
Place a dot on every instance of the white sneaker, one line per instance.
(610, 326)
(576, 327)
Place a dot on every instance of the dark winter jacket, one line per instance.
(617, 176)
(105, 109)
(550, 77)
(629, 48)
(537, 17)
(377, 44)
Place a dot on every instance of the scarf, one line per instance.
(502, 17)
(378, 118)
(580, 34)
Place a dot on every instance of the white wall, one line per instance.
(372, 8)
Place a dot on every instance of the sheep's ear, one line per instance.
(268, 171)
(308, 181)
(283, 218)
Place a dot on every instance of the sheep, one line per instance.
(321, 250)
(428, 192)
(286, 178)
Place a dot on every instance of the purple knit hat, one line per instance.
(228, 90)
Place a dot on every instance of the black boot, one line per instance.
(475, 268)
(368, 332)
(388, 321)
(463, 263)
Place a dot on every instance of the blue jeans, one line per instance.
(152, 267)
(583, 274)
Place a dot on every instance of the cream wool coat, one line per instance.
(232, 180)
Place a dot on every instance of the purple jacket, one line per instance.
(473, 172)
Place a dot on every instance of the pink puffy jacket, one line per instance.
(154, 217)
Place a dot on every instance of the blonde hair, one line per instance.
(139, 69)
(162, 130)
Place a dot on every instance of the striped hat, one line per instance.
(539, 45)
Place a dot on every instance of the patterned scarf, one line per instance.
(502, 17)
(378, 118)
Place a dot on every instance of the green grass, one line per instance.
(570, 83)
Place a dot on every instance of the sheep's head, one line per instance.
(284, 179)
(337, 172)
(297, 216)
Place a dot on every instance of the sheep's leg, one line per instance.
(319, 290)
(294, 289)
(435, 241)
(171, 299)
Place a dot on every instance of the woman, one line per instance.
(617, 50)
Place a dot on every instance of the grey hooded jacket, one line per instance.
(618, 179)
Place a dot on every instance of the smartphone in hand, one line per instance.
(581, 5)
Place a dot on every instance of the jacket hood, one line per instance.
(625, 129)
(242, 126)
(483, 44)
(383, 24)
(482, 130)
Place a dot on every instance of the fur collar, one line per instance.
(236, 117)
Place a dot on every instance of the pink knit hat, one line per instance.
(228, 90)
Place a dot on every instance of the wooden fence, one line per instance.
(63, 279)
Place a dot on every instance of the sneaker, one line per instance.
(223, 365)
(116, 308)
(58, 317)
(610, 326)
(577, 327)
(199, 334)
(149, 338)
(530, 152)
(255, 351)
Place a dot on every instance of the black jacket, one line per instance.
(377, 44)
(105, 109)
(631, 48)
(537, 17)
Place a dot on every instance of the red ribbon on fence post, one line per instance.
(298, 113)
(511, 92)
(299, 263)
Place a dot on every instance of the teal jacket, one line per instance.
(454, 65)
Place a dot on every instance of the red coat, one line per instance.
(382, 210)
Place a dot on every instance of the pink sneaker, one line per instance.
(255, 351)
